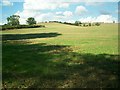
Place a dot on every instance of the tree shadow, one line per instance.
(57, 66)
(28, 36)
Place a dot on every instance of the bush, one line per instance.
(89, 24)
(97, 24)
(31, 21)
(84, 25)
(7, 27)
(69, 23)
(77, 23)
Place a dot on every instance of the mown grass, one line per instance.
(61, 56)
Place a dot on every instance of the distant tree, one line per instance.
(80, 22)
(84, 24)
(5, 24)
(77, 23)
(65, 22)
(97, 24)
(89, 24)
(113, 21)
(60, 22)
(31, 21)
(13, 20)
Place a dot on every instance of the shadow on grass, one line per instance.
(28, 36)
(57, 66)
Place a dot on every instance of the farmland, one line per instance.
(61, 56)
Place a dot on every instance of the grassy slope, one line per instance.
(94, 39)
(61, 56)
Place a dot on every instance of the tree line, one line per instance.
(14, 20)
(14, 23)
(76, 23)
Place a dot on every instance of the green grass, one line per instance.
(61, 56)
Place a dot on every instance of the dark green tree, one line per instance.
(84, 25)
(97, 24)
(31, 21)
(113, 21)
(89, 24)
(77, 23)
(13, 20)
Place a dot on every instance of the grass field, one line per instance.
(61, 56)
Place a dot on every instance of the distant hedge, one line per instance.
(69, 23)
(7, 27)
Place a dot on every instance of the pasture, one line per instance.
(61, 56)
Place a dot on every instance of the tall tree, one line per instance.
(13, 20)
(77, 23)
(31, 21)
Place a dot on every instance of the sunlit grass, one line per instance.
(61, 56)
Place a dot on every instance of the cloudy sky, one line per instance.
(61, 10)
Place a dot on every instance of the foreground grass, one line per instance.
(61, 56)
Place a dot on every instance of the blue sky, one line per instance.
(61, 11)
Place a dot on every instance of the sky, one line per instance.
(60, 10)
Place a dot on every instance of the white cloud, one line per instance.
(105, 18)
(64, 5)
(59, 13)
(101, 18)
(24, 15)
(80, 10)
(62, 16)
(70, 0)
(1, 23)
(34, 9)
(67, 13)
(6, 3)
(93, 0)
(43, 4)
(40, 17)
(37, 15)
(44, 17)
(94, 3)
(37, 5)
(87, 19)
(71, 21)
